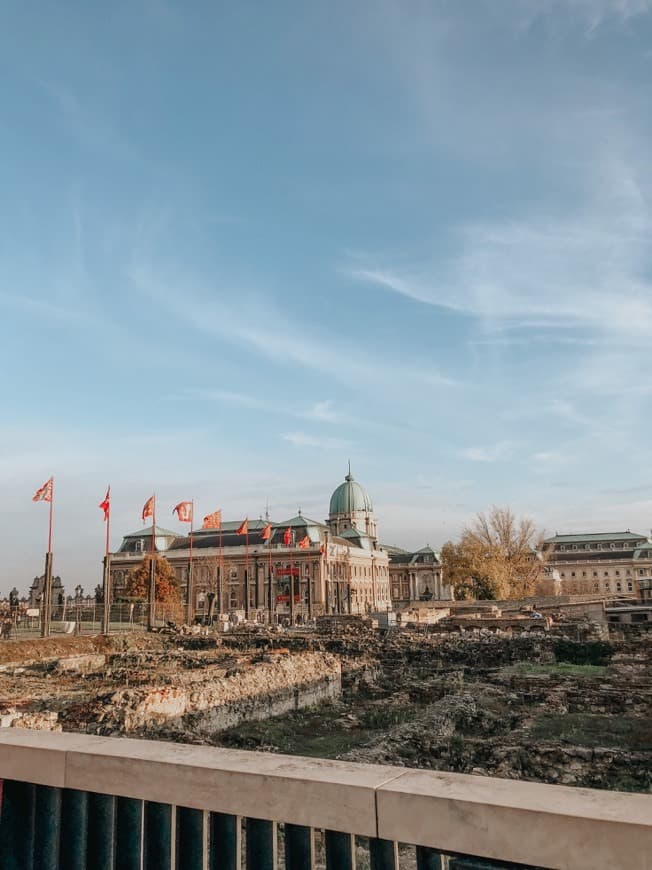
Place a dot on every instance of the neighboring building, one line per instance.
(340, 567)
(416, 577)
(605, 562)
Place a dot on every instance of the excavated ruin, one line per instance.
(565, 707)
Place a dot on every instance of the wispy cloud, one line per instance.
(582, 271)
(587, 15)
(493, 453)
(257, 326)
(87, 124)
(303, 439)
(324, 411)
(49, 311)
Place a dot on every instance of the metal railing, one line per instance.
(76, 619)
(77, 801)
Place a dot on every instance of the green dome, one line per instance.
(349, 497)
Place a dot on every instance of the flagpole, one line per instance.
(291, 578)
(190, 591)
(47, 579)
(247, 572)
(151, 610)
(271, 612)
(220, 580)
(106, 591)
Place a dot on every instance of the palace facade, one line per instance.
(333, 567)
(610, 562)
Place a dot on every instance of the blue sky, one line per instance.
(241, 243)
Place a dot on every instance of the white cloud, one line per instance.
(494, 453)
(324, 411)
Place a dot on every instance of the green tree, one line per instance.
(167, 585)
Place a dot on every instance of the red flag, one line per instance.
(213, 521)
(45, 492)
(287, 537)
(266, 533)
(183, 511)
(148, 508)
(304, 543)
(244, 527)
(106, 504)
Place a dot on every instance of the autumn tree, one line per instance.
(467, 580)
(497, 557)
(167, 585)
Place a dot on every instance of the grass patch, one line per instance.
(317, 732)
(556, 669)
(596, 652)
(593, 729)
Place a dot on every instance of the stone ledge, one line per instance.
(545, 825)
(523, 822)
(304, 791)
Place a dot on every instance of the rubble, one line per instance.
(558, 706)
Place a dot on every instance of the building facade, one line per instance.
(306, 568)
(606, 562)
(417, 576)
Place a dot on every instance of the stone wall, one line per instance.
(201, 701)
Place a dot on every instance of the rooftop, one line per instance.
(146, 532)
(595, 536)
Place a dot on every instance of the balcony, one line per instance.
(78, 801)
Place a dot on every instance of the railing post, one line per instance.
(383, 854)
(129, 833)
(340, 851)
(100, 847)
(17, 825)
(429, 859)
(299, 847)
(190, 839)
(225, 842)
(261, 845)
(157, 845)
(47, 827)
(74, 829)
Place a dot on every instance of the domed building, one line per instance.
(288, 571)
(351, 509)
